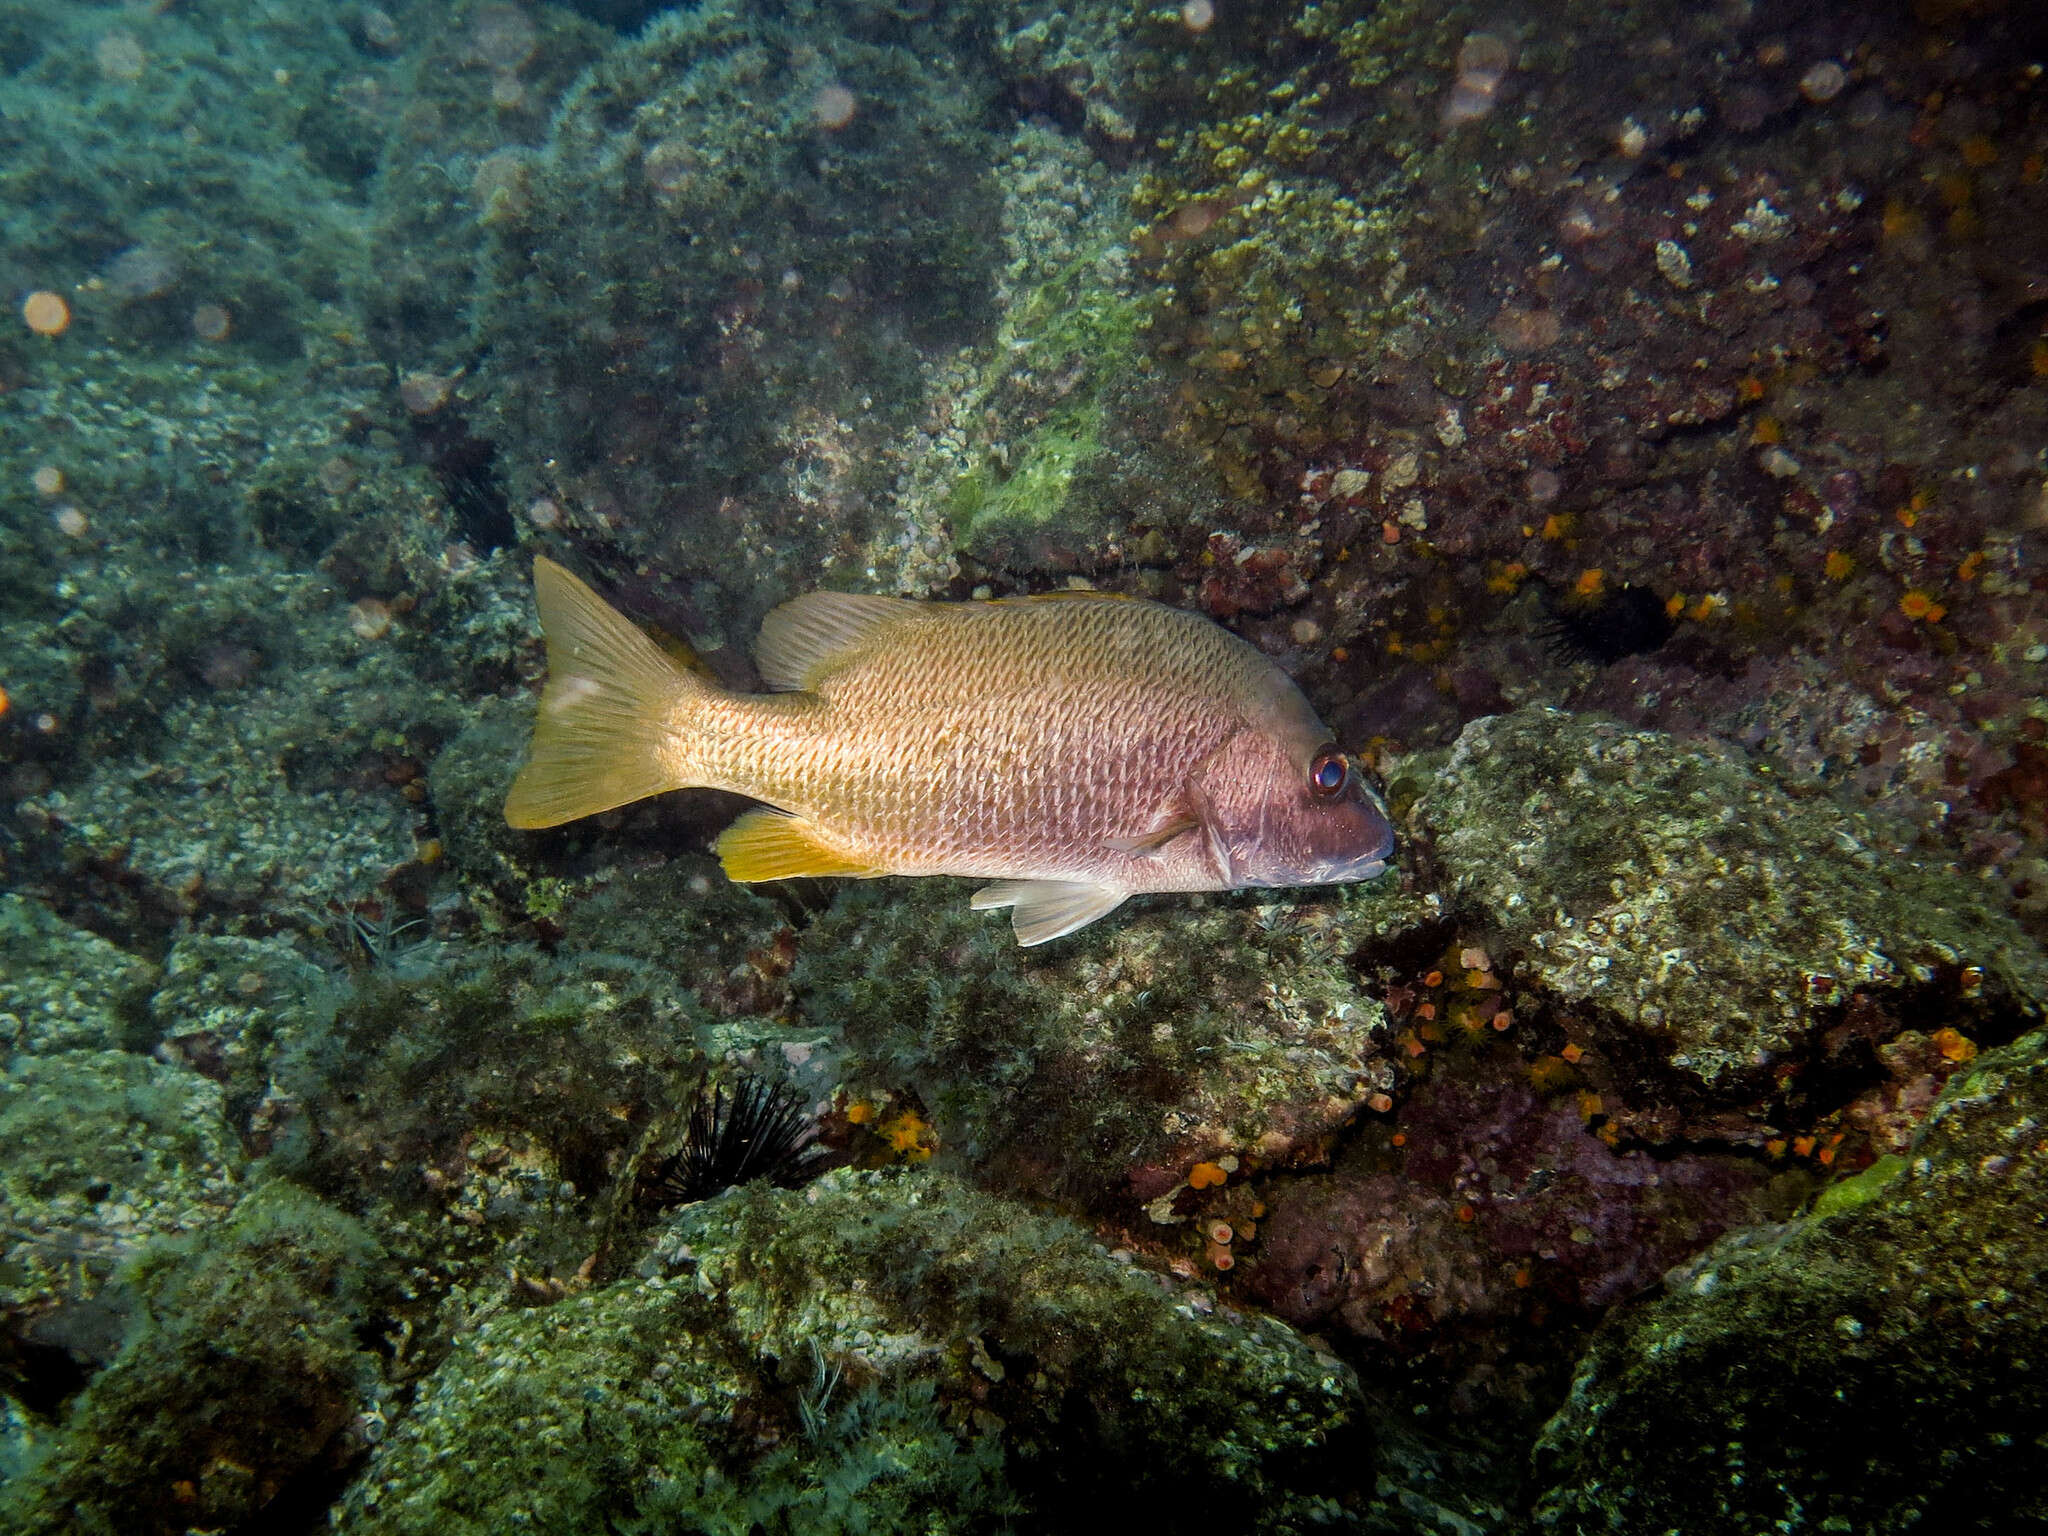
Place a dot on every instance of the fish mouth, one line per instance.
(1349, 871)
(1366, 864)
(1338, 872)
(1345, 870)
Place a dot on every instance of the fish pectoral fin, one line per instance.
(1046, 909)
(1152, 842)
(772, 845)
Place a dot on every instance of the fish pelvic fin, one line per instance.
(771, 845)
(606, 731)
(1041, 910)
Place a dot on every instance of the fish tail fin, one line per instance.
(607, 731)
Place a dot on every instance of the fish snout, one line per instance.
(1354, 841)
(1305, 843)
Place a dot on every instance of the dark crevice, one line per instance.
(466, 467)
(624, 15)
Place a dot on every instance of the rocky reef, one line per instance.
(1879, 1337)
(711, 299)
(884, 1350)
(1626, 423)
(238, 1385)
(1108, 1069)
(1678, 905)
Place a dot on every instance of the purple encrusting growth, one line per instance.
(1498, 1202)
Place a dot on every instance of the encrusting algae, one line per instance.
(1076, 748)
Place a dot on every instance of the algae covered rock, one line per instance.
(480, 80)
(101, 1152)
(106, 179)
(254, 834)
(748, 235)
(236, 1390)
(497, 1087)
(63, 989)
(468, 779)
(1681, 905)
(1175, 1031)
(254, 785)
(885, 1351)
(224, 1002)
(1873, 1367)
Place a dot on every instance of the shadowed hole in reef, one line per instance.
(466, 467)
(48, 1359)
(43, 1377)
(626, 15)
(1604, 627)
(304, 1503)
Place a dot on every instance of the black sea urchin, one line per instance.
(1624, 621)
(753, 1129)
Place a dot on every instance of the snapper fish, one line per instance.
(1075, 749)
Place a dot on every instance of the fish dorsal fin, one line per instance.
(1046, 909)
(769, 845)
(809, 637)
(1062, 595)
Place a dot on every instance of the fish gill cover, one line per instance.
(1624, 424)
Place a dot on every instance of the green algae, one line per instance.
(1078, 333)
(626, 1409)
(1034, 493)
(1044, 443)
(1861, 1188)
(470, 775)
(506, 1047)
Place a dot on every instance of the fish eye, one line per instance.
(1328, 773)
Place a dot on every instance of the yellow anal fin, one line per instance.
(769, 845)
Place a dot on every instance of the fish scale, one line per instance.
(998, 779)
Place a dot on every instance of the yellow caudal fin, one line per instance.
(768, 845)
(608, 727)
